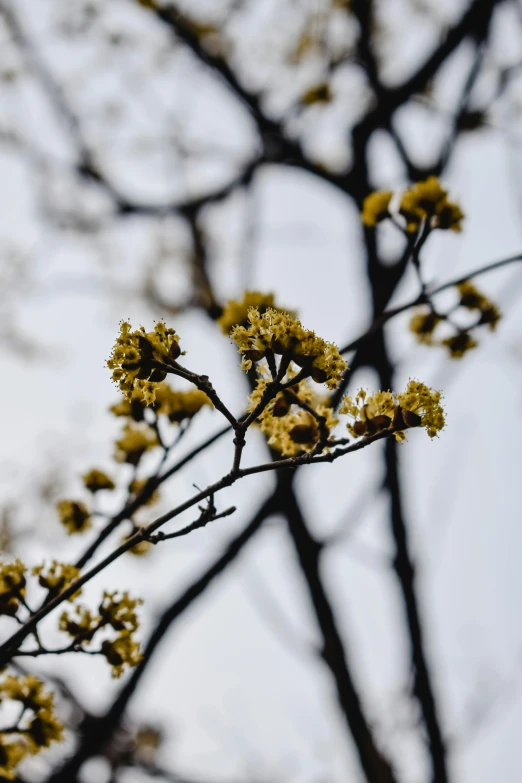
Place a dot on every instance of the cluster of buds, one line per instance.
(12, 587)
(426, 203)
(418, 406)
(37, 726)
(275, 333)
(424, 323)
(57, 576)
(140, 359)
(235, 311)
(117, 612)
(289, 428)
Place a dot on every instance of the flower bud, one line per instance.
(319, 375)
(281, 407)
(381, 422)
(359, 428)
(174, 350)
(303, 434)
(254, 355)
(411, 419)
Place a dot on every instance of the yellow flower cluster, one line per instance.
(376, 207)
(418, 406)
(423, 402)
(96, 480)
(12, 587)
(134, 442)
(290, 429)
(57, 576)
(74, 516)
(283, 334)
(179, 405)
(139, 359)
(428, 201)
(424, 203)
(473, 299)
(459, 344)
(133, 409)
(117, 611)
(424, 322)
(235, 312)
(37, 726)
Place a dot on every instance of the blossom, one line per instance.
(139, 359)
(418, 406)
(12, 586)
(119, 611)
(423, 323)
(96, 480)
(284, 335)
(74, 516)
(370, 414)
(12, 752)
(235, 312)
(133, 409)
(37, 727)
(428, 201)
(116, 612)
(425, 403)
(473, 299)
(81, 624)
(179, 405)
(375, 207)
(459, 344)
(134, 442)
(120, 652)
(57, 576)
(290, 429)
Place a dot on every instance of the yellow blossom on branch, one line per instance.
(134, 442)
(74, 516)
(375, 207)
(418, 406)
(459, 344)
(121, 652)
(13, 750)
(425, 203)
(177, 405)
(370, 413)
(473, 299)
(428, 201)
(12, 587)
(96, 480)
(423, 323)
(57, 576)
(235, 312)
(117, 611)
(139, 358)
(290, 429)
(37, 726)
(425, 403)
(282, 334)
